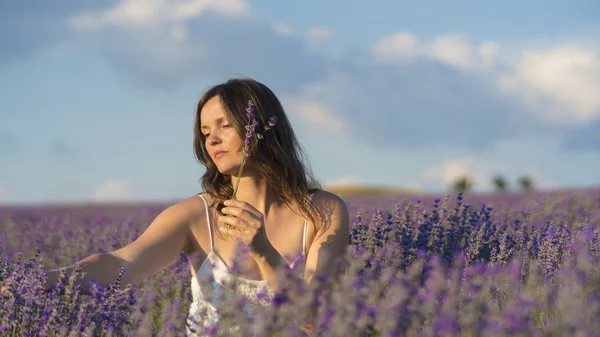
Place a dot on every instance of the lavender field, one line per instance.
(482, 265)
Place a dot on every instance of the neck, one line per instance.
(256, 192)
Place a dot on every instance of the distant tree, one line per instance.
(526, 183)
(462, 184)
(499, 183)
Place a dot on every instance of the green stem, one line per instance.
(237, 183)
(238, 178)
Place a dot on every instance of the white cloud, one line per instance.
(561, 84)
(113, 190)
(318, 38)
(148, 13)
(316, 113)
(487, 53)
(349, 180)
(283, 29)
(557, 84)
(480, 172)
(383, 101)
(454, 50)
(396, 47)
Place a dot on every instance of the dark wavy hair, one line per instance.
(278, 158)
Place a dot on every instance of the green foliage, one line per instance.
(499, 183)
(462, 184)
(526, 183)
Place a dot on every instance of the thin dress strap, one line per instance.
(304, 239)
(208, 222)
(210, 227)
(304, 235)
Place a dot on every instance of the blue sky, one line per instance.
(97, 98)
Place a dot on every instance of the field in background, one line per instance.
(392, 230)
(358, 190)
(370, 196)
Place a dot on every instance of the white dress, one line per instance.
(215, 273)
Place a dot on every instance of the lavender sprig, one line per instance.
(252, 138)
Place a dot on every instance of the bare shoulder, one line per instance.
(172, 225)
(187, 211)
(328, 200)
(332, 207)
(192, 210)
(191, 207)
(331, 240)
(197, 217)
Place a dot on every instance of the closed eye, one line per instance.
(224, 126)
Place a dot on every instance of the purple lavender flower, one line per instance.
(251, 135)
(535, 275)
(251, 138)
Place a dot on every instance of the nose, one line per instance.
(213, 139)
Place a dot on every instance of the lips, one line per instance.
(219, 154)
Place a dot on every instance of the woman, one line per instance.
(275, 214)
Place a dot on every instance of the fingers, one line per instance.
(243, 214)
(229, 222)
(235, 223)
(243, 235)
(237, 228)
(238, 204)
(241, 220)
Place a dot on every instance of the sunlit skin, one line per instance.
(256, 205)
(524, 261)
(259, 219)
(221, 135)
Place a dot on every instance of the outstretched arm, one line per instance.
(157, 248)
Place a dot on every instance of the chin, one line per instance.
(229, 170)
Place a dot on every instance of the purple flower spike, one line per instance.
(252, 137)
(271, 123)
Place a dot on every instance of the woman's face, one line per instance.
(223, 143)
